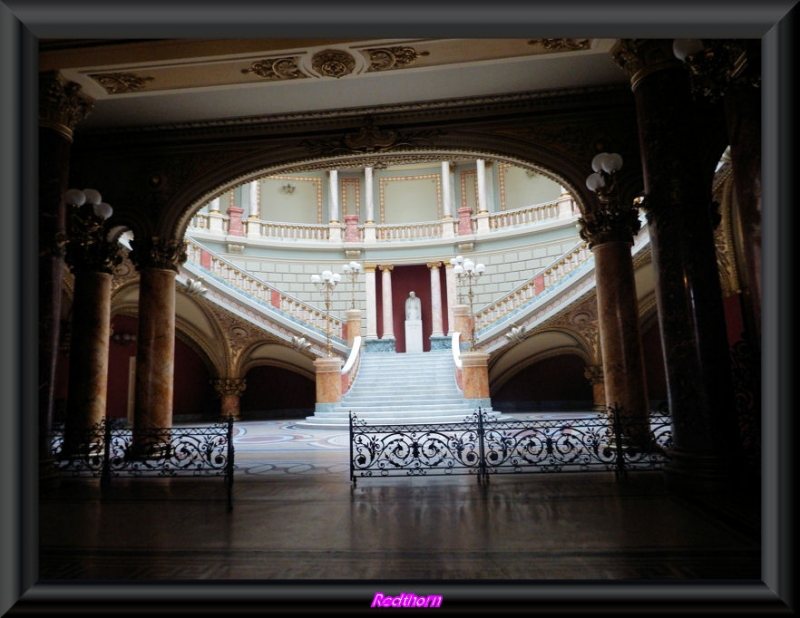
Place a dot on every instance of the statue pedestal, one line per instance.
(413, 335)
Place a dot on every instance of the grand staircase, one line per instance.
(393, 388)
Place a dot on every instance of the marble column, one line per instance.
(230, 393)
(447, 202)
(329, 380)
(608, 225)
(353, 317)
(157, 261)
(475, 377)
(62, 106)
(436, 300)
(371, 301)
(451, 288)
(706, 453)
(254, 216)
(334, 224)
(388, 315)
(369, 224)
(92, 260)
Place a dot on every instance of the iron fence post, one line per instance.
(483, 474)
(105, 476)
(619, 453)
(229, 466)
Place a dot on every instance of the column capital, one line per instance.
(642, 57)
(370, 268)
(594, 374)
(62, 105)
(385, 267)
(609, 222)
(227, 387)
(164, 253)
(434, 265)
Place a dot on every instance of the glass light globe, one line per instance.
(326, 275)
(683, 48)
(92, 196)
(336, 277)
(469, 265)
(103, 210)
(74, 197)
(595, 181)
(458, 269)
(612, 163)
(315, 279)
(479, 268)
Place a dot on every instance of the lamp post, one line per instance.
(325, 283)
(352, 269)
(466, 269)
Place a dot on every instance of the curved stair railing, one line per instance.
(561, 282)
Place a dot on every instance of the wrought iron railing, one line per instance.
(108, 450)
(483, 446)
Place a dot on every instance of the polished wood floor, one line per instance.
(296, 521)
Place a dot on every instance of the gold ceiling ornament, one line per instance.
(277, 68)
(388, 58)
(333, 63)
(120, 83)
(370, 138)
(562, 44)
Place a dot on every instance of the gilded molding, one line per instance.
(275, 69)
(594, 374)
(389, 58)
(62, 105)
(333, 63)
(369, 139)
(162, 253)
(120, 83)
(562, 44)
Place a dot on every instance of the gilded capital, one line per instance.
(433, 265)
(594, 374)
(156, 252)
(642, 57)
(62, 105)
(385, 267)
(227, 387)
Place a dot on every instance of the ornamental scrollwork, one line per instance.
(120, 83)
(562, 44)
(388, 58)
(275, 69)
(62, 105)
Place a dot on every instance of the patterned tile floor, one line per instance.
(296, 519)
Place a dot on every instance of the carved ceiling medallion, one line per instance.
(333, 63)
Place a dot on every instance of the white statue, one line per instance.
(413, 307)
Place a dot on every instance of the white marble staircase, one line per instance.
(393, 388)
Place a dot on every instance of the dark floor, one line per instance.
(296, 520)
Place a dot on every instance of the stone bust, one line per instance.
(413, 307)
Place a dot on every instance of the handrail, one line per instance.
(247, 283)
(353, 357)
(456, 345)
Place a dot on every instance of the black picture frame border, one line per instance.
(23, 23)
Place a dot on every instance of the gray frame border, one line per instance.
(23, 22)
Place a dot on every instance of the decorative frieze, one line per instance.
(562, 44)
(276, 69)
(333, 63)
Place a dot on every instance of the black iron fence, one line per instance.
(482, 446)
(109, 450)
